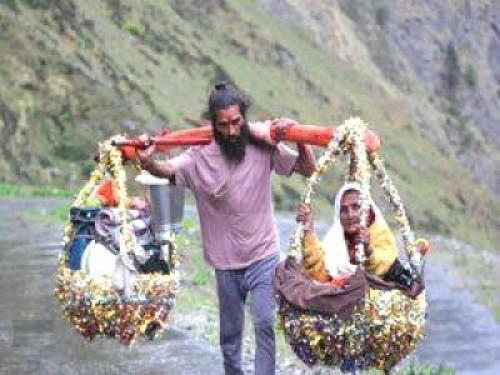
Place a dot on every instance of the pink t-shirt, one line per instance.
(234, 200)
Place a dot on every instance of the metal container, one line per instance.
(166, 203)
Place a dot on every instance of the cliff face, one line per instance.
(424, 74)
(450, 51)
(443, 56)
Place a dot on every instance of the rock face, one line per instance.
(446, 51)
(424, 74)
(451, 51)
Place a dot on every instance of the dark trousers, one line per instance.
(232, 289)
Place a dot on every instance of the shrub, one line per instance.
(471, 76)
(452, 69)
(426, 369)
(133, 28)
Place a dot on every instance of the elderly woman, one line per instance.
(333, 260)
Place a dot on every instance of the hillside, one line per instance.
(73, 72)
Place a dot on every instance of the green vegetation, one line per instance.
(198, 279)
(426, 369)
(56, 215)
(471, 76)
(452, 69)
(19, 190)
(133, 28)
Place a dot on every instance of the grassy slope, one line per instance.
(428, 180)
(154, 62)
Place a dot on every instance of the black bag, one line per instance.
(399, 274)
(155, 263)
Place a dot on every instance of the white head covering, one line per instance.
(337, 262)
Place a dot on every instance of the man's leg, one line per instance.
(231, 318)
(263, 308)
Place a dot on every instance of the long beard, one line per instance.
(233, 150)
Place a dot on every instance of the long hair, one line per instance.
(223, 96)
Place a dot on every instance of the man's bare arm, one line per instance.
(159, 168)
(306, 161)
(155, 167)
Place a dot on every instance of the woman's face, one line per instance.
(350, 212)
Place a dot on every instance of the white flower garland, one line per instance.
(93, 306)
(356, 143)
(349, 138)
(399, 212)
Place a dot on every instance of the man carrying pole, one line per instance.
(231, 181)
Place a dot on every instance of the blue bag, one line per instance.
(83, 220)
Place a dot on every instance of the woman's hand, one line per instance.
(363, 237)
(304, 216)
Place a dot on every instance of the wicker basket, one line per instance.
(379, 333)
(387, 324)
(92, 305)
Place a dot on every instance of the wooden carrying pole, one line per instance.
(308, 134)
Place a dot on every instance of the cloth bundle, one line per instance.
(107, 226)
(98, 247)
(291, 283)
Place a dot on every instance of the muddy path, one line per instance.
(35, 340)
(460, 333)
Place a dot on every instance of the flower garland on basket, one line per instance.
(361, 174)
(334, 148)
(383, 330)
(93, 306)
(399, 212)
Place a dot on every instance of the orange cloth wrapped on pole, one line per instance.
(308, 134)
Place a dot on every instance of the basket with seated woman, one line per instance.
(337, 313)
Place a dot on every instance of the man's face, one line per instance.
(228, 122)
(231, 132)
(350, 212)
